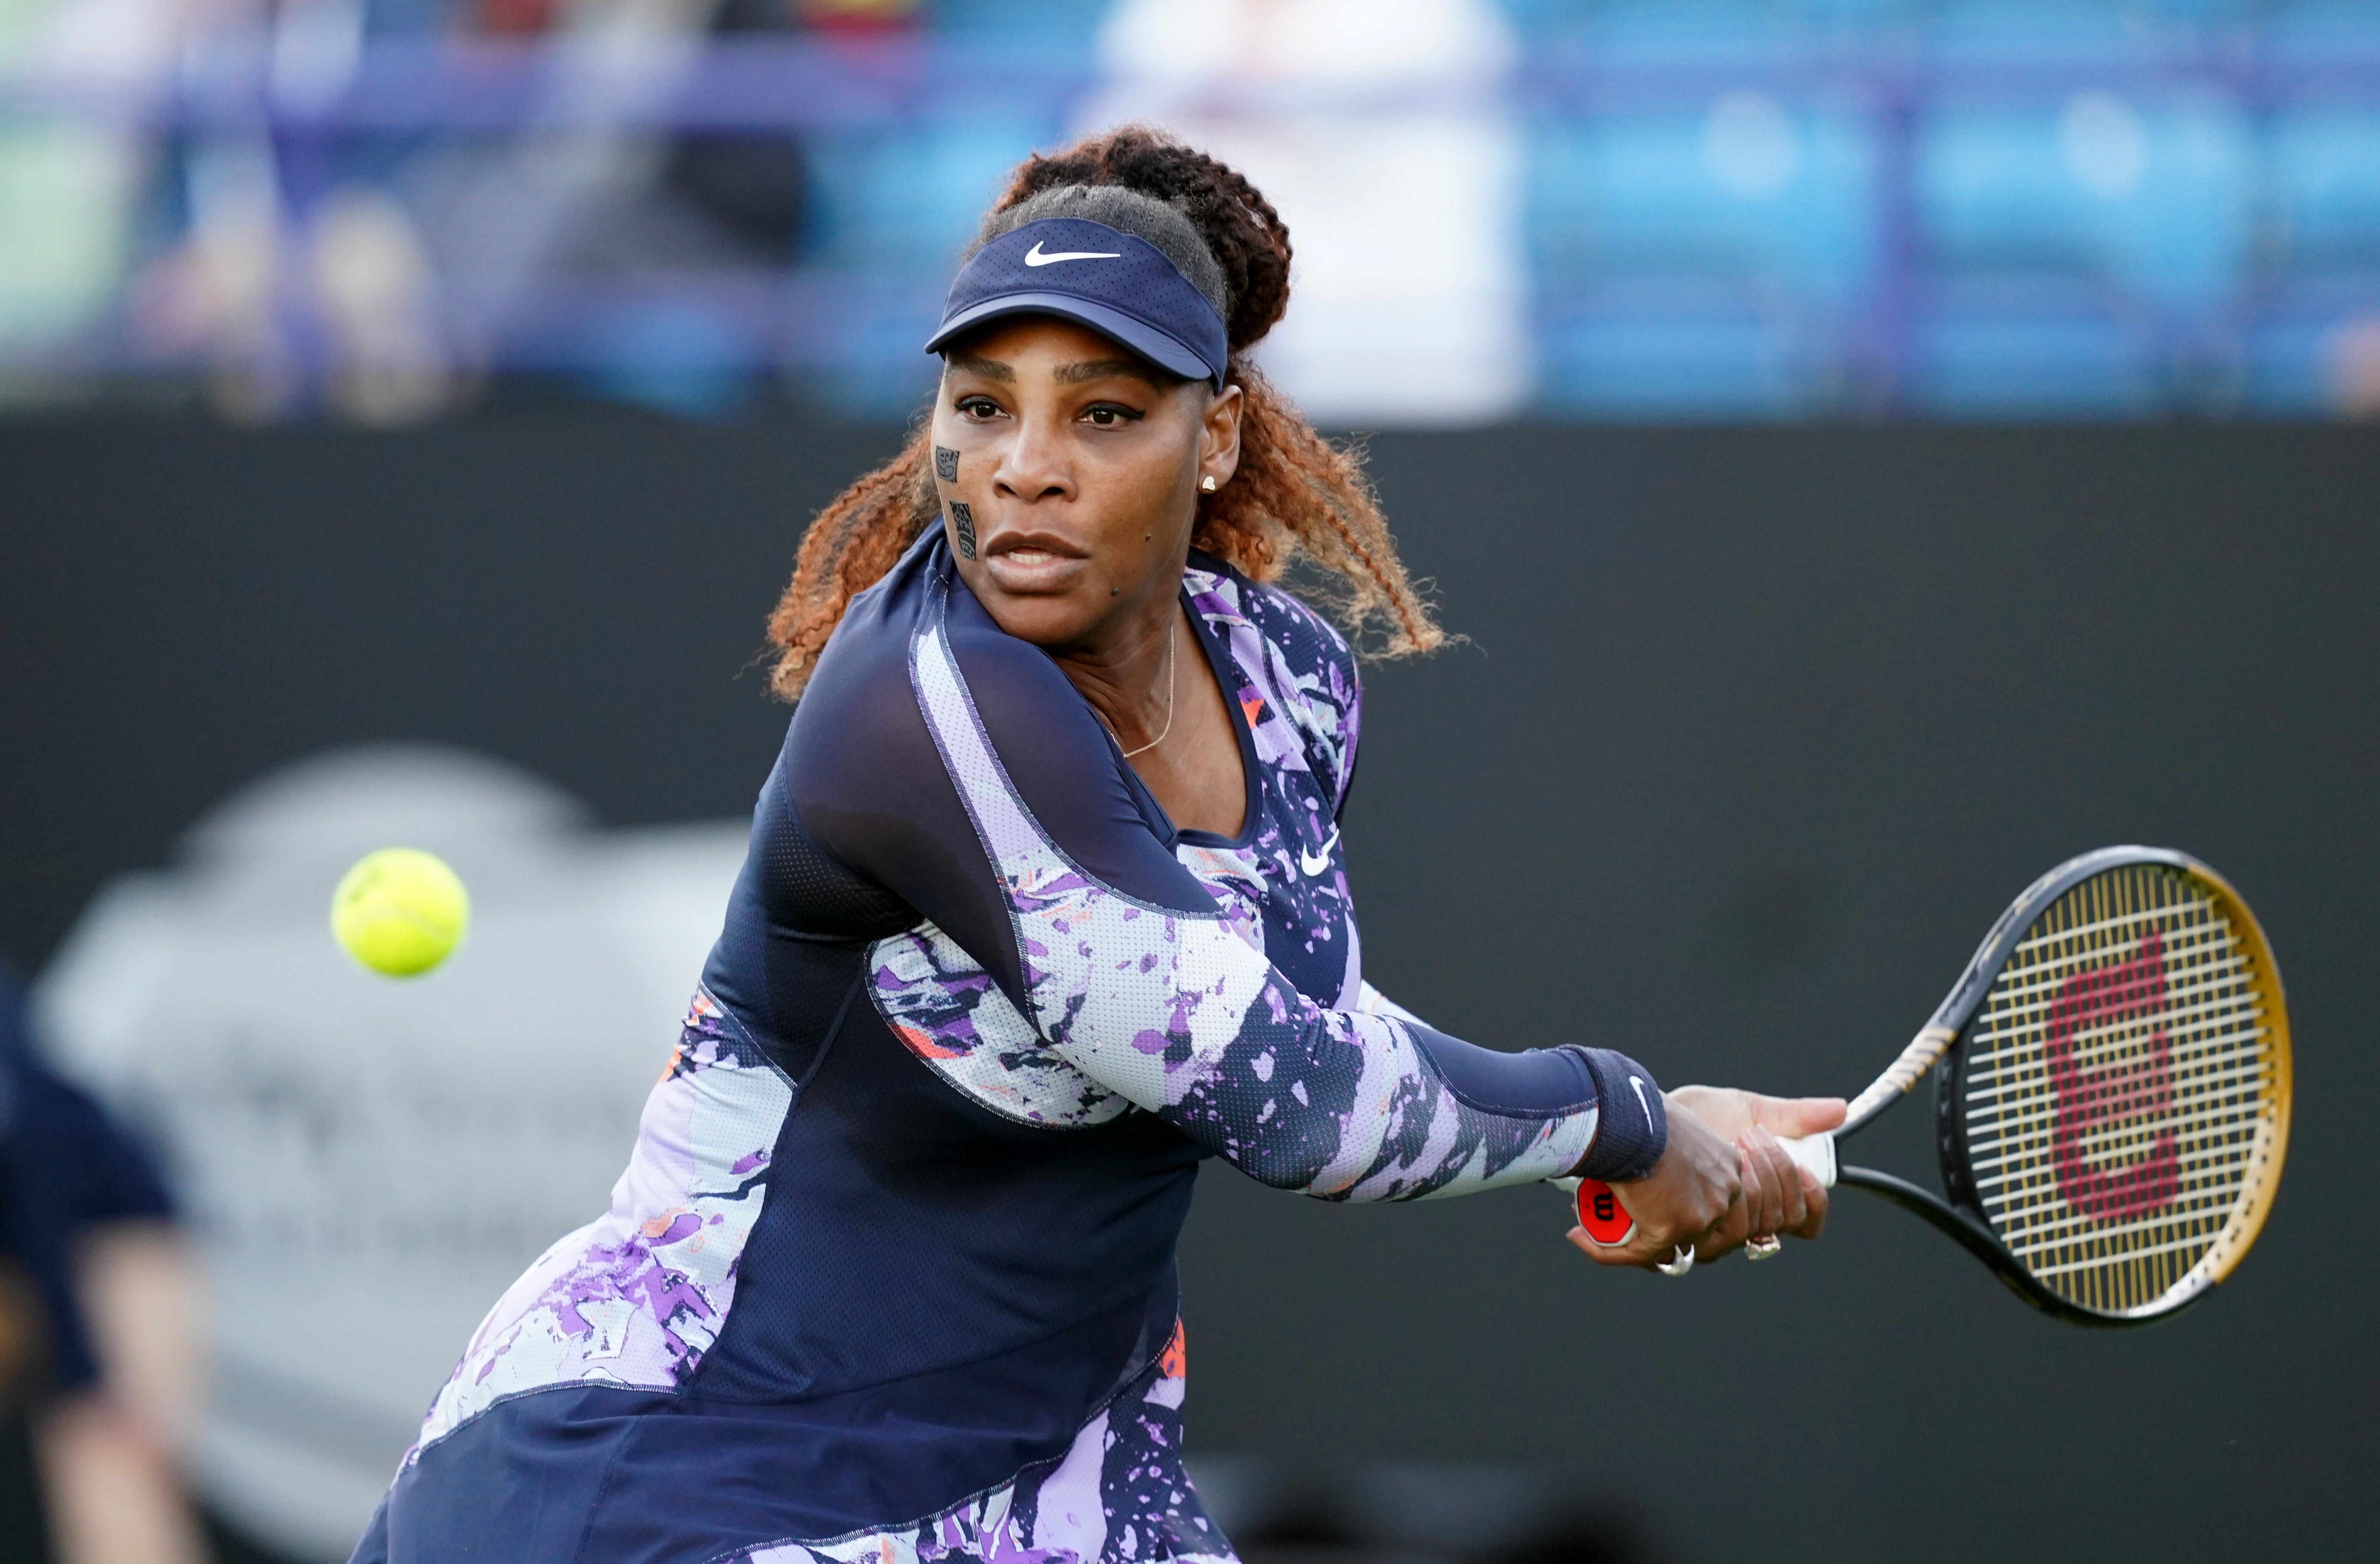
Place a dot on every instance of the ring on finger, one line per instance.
(1680, 1263)
(1766, 1246)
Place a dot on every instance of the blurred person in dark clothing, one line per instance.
(752, 186)
(101, 1307)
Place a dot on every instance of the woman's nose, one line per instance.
(1032, 466)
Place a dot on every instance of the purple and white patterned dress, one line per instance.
(890, 1274)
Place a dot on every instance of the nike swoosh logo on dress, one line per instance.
(1315, 863)
(1035, 257)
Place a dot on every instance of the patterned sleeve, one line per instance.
(994, 803)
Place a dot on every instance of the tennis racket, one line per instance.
(2113, 1105)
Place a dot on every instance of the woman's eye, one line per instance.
(1105, 415)
(978, 407)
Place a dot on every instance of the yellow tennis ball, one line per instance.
(399, 912)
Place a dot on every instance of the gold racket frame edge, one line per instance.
(2239, 1235)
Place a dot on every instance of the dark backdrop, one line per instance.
(1755, 732)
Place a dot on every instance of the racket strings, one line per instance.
(2211, 981)
(2120, 1088)
(2112, 1134)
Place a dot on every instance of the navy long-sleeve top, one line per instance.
(890, 1273)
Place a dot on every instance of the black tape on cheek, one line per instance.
(946, 464)
(962, 520)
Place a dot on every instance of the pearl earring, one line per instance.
(1206, 484)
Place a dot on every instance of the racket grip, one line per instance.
(1815, 1153)
(1598, 1210)
(1608, 1224)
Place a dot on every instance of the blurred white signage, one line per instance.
(368, 1162)
(1380, 131)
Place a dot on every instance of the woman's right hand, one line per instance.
(1685, 1201)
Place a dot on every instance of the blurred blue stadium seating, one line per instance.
(2154, 198)
(1067, 24)
(1736, 209)
(1857, 23)
(1657, 349)
(1766, 209)
(2322, 33)
(671, 356)
(2082, 184)
(2323, 178)
(2145, 205)
(1699, 32)
(892, 207)
(1749, 187)
(909, 195)
(2292, 352)
(2034, 33)
(2322, 183)
(2021, 347)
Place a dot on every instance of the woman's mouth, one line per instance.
(1033, 565)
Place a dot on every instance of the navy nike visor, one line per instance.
(1119, 286)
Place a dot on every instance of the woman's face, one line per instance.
(1078, 464)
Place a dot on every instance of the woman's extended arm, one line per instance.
(991, 802)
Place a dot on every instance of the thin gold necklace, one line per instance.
(1172, 662)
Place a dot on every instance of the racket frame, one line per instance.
(1942, 1042)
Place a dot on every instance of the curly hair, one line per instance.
(1295, 494)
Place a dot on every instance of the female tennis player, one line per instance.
(1045, 903)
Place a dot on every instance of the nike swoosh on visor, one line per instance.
(1035, 257)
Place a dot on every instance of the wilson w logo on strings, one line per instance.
(2136, 1085)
